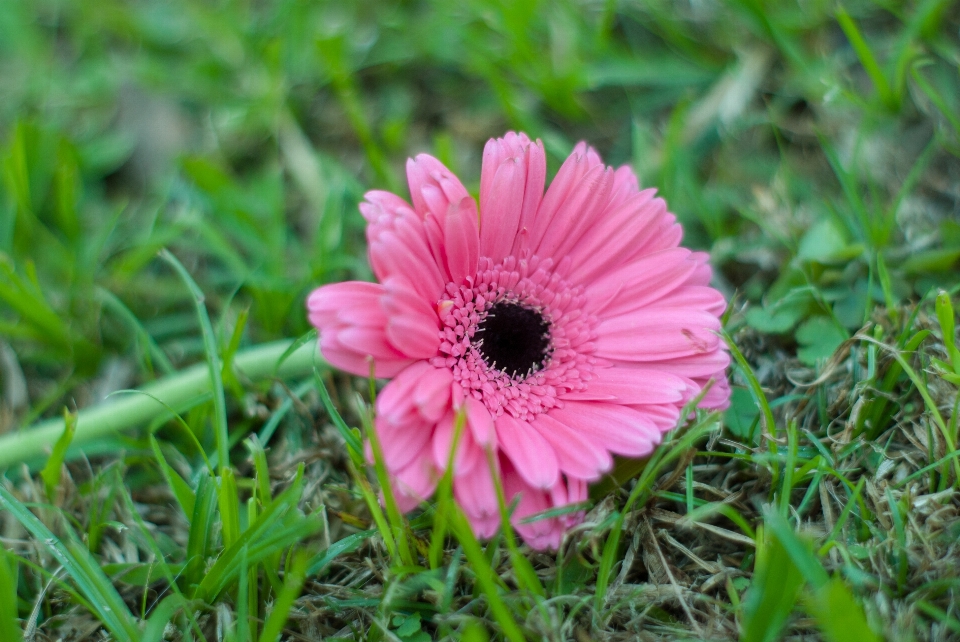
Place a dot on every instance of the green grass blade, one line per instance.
(54, 467)
(773, 592)
(292, 584)
(213, 360)
(754, 384)
(348, 544)
(948, 328)
(867, 59)
(278, 526)
(800, 553)
(162, 615)
(671, 449)
(9, 628)
(159, 562)
(928, 400)
(152, 351)
(82, 568)
(838, 614)
(486, 577)
(354, 447)
(940, 615)
(526, 577)
(398, 524)
(201, 527)
(181, 490)
(229, 507)
(935, 97)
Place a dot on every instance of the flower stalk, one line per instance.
(177, 392)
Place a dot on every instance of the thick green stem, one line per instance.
(178, 392)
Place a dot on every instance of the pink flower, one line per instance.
(567, 326)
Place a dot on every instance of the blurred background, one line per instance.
(812, 148)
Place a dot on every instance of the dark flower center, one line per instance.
(513, 339)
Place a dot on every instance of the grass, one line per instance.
(177, 176)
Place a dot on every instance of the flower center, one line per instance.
(515, 336)
(513, 339)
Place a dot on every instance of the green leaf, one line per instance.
(826, 242)
(409, 626)
(741, 418)
(926, 261)
(779, 317)
(819, 337)
(229, 507)
(354, 447)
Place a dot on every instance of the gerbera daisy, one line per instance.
(567, 326)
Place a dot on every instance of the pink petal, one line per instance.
(462, 240)
(415, 483)
(632, 386)
(625, 185)
(577, 212)
(382, 208)
(539, 534)
(368, 341)
(696, 296)
(580, 161)
(616, 236)
(656, 334)
(663, 416)
(401, 444)
(576, 454)
(412, 325)
(432, 186)
(640, 282)
(500, 208)
(718, 397)
(468, 455)
(395, 403)
(432, 393)
(356, 363)
(530, 453)
(704, 272)
(696, 365)
(340, 303)
(533, 162)
(480, 422)
(569, 173)
(617, 428)
(403, 252)
(477, 496)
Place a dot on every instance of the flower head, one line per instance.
(565, 326)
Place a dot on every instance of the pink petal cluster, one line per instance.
(566, 326)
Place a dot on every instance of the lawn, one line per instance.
(176, 463)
